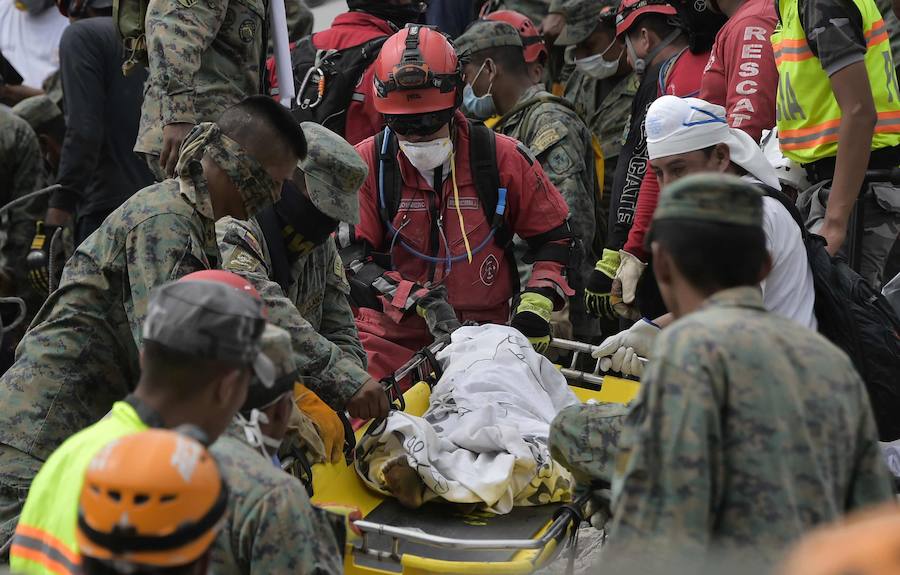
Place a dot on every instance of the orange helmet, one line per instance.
(629, 10)
(154, 498)
(532, 41)
(223, 277)
(417, 72)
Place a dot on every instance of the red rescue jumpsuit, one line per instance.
(479, 291)
(741, 75)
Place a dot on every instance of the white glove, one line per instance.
(629, 272)
(626, 347)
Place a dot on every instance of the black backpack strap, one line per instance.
(271, 229)
(483, 161)
(390, 184)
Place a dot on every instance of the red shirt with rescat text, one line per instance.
(741, 75)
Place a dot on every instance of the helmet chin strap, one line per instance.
(640, 64)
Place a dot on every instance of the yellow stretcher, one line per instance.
(440, 539)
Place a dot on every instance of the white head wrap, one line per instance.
(680, 125)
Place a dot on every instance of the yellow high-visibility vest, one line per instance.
(807, 114)
(44, 542)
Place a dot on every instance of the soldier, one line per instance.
(267, 507)
(603, 84)
(81, 352)
(749, 428)
(288, 254)
(47, 121)
(20, 173)
(499, 83)
(201, 349)
(204, 57)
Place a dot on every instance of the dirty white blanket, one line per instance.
(484, 436)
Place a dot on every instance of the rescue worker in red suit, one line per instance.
(439, 242)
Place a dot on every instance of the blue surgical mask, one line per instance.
(479, 107)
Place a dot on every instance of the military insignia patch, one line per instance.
(559, 160)
(247, 30)
(547, 137)
(187, 3)
(241, 261)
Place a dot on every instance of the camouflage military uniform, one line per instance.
(534, 9)
(562, 143)
(748, 430)
(21, 172)
(315, 310)
(204, 56)
(271, 527)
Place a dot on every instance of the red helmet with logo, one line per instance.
(532, 41)
(417, 72)
(629, 10)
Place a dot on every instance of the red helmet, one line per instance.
(532, 41)
(417, 72)
(629, 10)
(223, 277)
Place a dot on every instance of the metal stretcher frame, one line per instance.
(338, 484)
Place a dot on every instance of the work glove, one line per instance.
(599, 286)
(38, 260)
(532, 319)
(437, 313)
(628, 274)
(624, 349)
(326, 421)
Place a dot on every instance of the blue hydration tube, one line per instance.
(395, 233)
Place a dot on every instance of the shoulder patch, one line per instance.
(241, 261)
(559, 160)
(547, 136)
(339, 268)
(187, 3)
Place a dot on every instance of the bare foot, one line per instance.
(404, 483)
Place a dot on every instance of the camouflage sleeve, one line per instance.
(179, 32)
(337, 324)
(160, 249)
(871, 479)
(563, 147)
(20, 165)
(282, 533)
(332, 374)
(669, 465)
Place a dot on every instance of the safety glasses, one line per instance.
(418, 124)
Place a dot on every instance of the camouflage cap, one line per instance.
(584, 439)
(37, 110)
(719, 198)
(276, 344)
(582, 17)
(487, 34)
(209, 320)
(334, 172)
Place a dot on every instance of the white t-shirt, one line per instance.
(788, 290)
(31, 43)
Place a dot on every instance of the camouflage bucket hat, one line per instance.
(37, 110)
(718, 198)
(584, 439)
(256, 186)
(486, 34)
(275, 343)
(333, 172)
(209, 320)
(582, 18)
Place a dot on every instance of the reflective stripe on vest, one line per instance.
(807, 114)
(44, 549)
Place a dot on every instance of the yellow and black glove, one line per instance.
(599, 286)
(38, 260)
(532, 318)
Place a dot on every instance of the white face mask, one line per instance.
(254, 435)
(426, 156)
(596, 66)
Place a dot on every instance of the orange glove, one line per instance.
(327, 422)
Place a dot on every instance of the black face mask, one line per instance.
(399, 16)
(303, 226)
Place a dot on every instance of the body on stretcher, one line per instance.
(441, 539)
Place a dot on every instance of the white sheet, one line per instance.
(484, 436)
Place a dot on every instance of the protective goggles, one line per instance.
(418, 124)
(413, 73)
